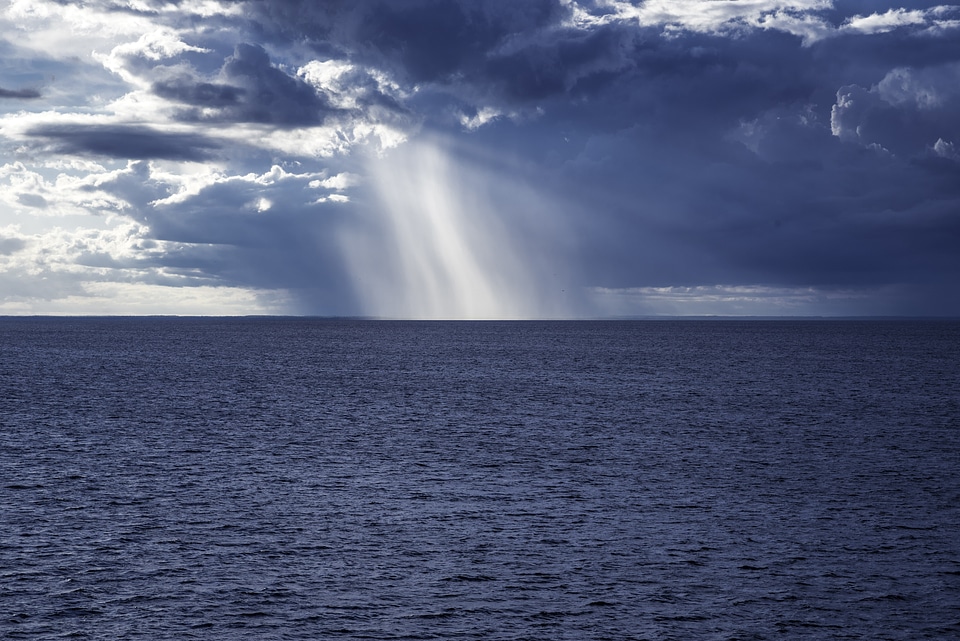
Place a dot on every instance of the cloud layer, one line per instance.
(431, 158)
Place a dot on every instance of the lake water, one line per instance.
(166, 478)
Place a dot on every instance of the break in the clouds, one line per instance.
(481, 158)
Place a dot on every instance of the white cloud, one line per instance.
(727, 16)
(184, 180)
(809, 28)
(924, 21)
(65, 190)
(323, 141)
(348, 85)
(946, 149)
(846, 113)
(339, 182)
(156, 45)
(883, 22)
(275, 175)
(802, 18)
(923, 89)
(483, 116)
(68, 30)
(332, 198)
(331, 77)
(112, 271)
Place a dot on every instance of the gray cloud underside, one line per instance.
(256, 92)
(10, 246)
(123, 141)
(22, 94)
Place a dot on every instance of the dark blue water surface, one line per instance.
(168, 478)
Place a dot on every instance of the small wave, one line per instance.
(446, 614)
(552, 614)
(469, 578)
(884, 597)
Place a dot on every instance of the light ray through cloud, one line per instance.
(451, 239)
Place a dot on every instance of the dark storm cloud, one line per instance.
(425, 40)
(123, 141)
(271, 95)
(807, 209)
(418, 40)
(257, 91)
(201, 94)
(708, 159)
(700, 157)
(906, 113)
(23, 94)
(516, 54)
(872, 56)
(492, 52)
(507, 53)
(435, 40)
(290, 250)
(569, 61)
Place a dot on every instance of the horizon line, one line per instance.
(637, 317)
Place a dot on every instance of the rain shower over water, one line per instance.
(452, 238)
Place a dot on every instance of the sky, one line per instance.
(480, 158)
